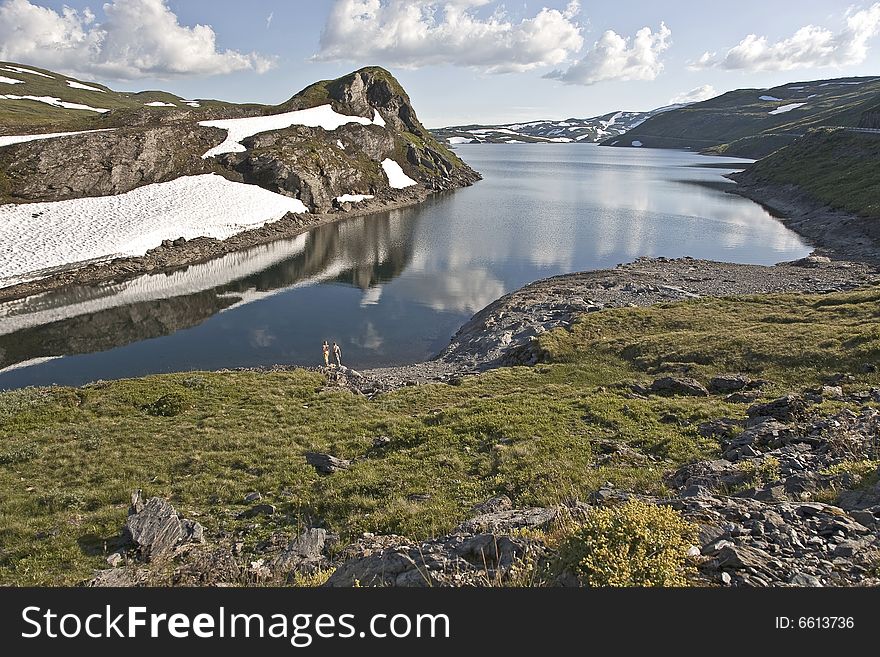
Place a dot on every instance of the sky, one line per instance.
(461, 61)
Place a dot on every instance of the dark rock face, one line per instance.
(105, 163)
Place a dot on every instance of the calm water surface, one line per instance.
(392, 288)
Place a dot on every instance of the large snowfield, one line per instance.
(323, 116)
(38, 238)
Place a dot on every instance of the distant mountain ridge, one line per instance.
(753, 123)
(590, 130)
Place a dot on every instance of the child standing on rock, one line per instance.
(326, 348)
(337, 354)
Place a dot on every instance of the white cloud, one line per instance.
(417, 33)
(614, 57)
(269, 19)
(136, 39)
(810, 47)
(705, 92)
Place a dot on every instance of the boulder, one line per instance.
(305, 553)
(325, 463)
(725, 384)
(156, 528)
(787, 408)
(678, 385)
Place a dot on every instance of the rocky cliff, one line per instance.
(142, 146)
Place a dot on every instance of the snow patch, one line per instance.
(20, 139)
(40, 237)
(782, 109)
(353, 198)
(6, 80)
(340, 144)
(636, 143)
(55, 102)
(28, 363)
(322, 116)
(485, 131)
(18, 69)
(377, 118)
(459, 140)
(73, 84)
(159, 103)
(396, 177)
(768, 98)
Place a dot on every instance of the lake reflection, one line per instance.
(393, 287)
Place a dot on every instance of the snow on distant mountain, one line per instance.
(595, 129)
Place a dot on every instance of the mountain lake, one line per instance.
(392, 288)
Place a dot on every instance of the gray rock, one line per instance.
(258, 510)
(492, 505)
(728, 383)
(678, 385)
(325, 463)
(156, 529)
(805, 580)
(118, 578)
(115, 559)
(505, 521)
(253, 497)
(305, 553)
(789, 407)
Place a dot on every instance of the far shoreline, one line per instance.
(170, 257)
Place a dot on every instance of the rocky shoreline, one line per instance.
(834, 233)
(506, 331)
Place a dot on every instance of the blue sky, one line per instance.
(461, 60)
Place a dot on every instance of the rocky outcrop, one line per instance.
(105, 163)
(311, 164)
(155, 528)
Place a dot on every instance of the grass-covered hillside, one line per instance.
(27, 115)
(839, 168)
(755, 122)
(70, 458)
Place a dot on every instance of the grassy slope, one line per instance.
(28, 117)
(839, 168)
(739, 120)
(69, 458)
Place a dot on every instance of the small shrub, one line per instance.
(310, 580)
(167, 405)
(195, 382)
(55, 499)
(18, 454)
(760, 471)
(853, 474)
(634, 544)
